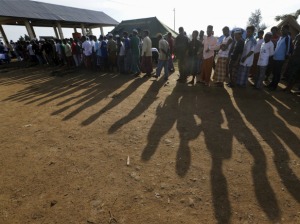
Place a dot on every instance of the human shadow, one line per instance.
(117, 99)
(276, 134)
(70, 90)
(178, 107)
(185, 106)
(214, 112)
(220, 122)
(148, 98)
(213, 134)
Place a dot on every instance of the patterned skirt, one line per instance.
(221, 70)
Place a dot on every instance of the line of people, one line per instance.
(232, 59)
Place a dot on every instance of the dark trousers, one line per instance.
(277, 67)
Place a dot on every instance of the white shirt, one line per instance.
(122, 49)
(258, 45)
(163, 44)
(147, 46)
(93, 45)
(87, 48)
(249, 46)
(224, 54)
(266, 51)
(29, 48)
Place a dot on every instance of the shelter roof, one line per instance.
(13, 12)
(152, 24)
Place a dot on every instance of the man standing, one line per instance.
(127, 58)
(221, 71)
(112, 52)
(266, 51)
(210, 44)
(294, 65)
(87, 52)
(282, 51)
(147, 54)
(275, 37)
(181, 47)
(193, 50)
(247, 58)
(135, 52)
(170, 60)
(259, 40)
(164, 50)
(235, 57)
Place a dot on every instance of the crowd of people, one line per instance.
(232, 59)
(210, 61)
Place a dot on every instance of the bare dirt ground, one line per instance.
(196, 154)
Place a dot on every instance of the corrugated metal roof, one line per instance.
(44, 11)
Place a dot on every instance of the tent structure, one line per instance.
(289, 20)
(152, 24)
(30, 13)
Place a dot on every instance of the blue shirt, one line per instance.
(282, 48)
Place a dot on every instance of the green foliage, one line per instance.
(255, 20)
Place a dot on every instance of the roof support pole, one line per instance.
(101, 30)
(61, 34)
(29, 29)
(32, 30)
(3, 35)
(56, 33)
(75, 30)
(83, 30)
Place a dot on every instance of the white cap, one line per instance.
(238, 31)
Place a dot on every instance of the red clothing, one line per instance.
(74, 48)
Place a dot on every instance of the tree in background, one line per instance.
(282, 17)
(255, 20)
(25, 38)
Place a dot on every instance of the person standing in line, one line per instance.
(259, 41)
(294, 65)
(193, 50)
(180, 49)
(68, 53)
(104, 54)
(266, 51)
(135, 52)
(127, 58)
(87, 53)
(147, 55)
(112, 52)
(210, 45)
(247, 58)
(274, 39)
(235, 57)
(98, 53)
(170, 40)
(121, 56)
(93, 56)
(221, 70)
(31, 52)
(164, 52)
(48, 52)
(200, 57)
(282, 51)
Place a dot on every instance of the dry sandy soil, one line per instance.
(196, 154)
